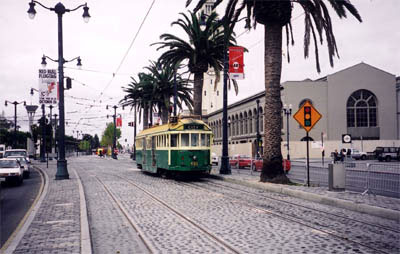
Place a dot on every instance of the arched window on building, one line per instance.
(229, 126)
(240, 124)
(250, 122)
(237, 124)
(245, 118)
(220, 128)
(361, 109)
(233, 126)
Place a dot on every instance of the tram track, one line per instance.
(316, 228)
(133, 224)
(306, 207)
(229, 248)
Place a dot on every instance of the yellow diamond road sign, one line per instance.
(307, 116)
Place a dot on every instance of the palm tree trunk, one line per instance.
(197, 93)
(146, 116)
(272, 170)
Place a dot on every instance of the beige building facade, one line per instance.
(361, 100)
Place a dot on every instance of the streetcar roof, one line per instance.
(173, 126)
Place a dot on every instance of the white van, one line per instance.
(2, 150)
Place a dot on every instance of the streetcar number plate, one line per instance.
(195, 163)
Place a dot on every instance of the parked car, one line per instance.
(214, 159)
(240, 161)
(11, 171)
(387, 153)
(257, 165)
(355, 153)
(24, 163)
(17, 152)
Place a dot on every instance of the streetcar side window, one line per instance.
(167, 141)
(185, 139)
(208, 140)
(195, 139)
(174, 140)
(203, 140)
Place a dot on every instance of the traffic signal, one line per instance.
(69, 83)
(307, 116)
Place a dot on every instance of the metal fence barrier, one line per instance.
(375, 178)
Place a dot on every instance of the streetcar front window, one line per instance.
(184, 139)
(203, 140)
(174, 140)
(195, 139)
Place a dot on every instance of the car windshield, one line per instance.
(8, 164)
(15, 153)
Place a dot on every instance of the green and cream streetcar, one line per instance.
(183, 145)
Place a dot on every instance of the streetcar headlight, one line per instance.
(194, 157)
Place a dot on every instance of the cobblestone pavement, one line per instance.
(56, 226)
(248, 229)
(247, 219)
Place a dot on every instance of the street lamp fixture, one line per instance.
(287, 110)
(60, 10)
(78, 60)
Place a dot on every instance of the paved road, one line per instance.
(248, 220)
(15, 202)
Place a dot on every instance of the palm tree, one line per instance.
(203, 49)
(140, 95)
(162, 77)
(274, 16)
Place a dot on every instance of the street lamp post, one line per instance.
(258, 136)
(43, 146)
(113, 155)
(287, 110)
(15, 119)
(60, 10)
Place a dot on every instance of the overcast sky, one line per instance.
(103, 42)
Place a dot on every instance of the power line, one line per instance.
(130, 46)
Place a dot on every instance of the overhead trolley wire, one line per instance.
(130, 46)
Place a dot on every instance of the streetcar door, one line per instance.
(144, 151)
(153, 151)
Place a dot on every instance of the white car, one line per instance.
(11, 170)
(24, 164)
(17, 152)
(214, 159)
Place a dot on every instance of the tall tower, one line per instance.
(212, 98)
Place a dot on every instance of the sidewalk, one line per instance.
(380, 206)
(54, 226)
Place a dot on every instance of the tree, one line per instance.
(274, 16)
(108, 134)
(96, 141)
(203, 49)
(140, 95)
(162, 77)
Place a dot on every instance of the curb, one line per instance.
(349, 205)
(86, 244)
(32, 213)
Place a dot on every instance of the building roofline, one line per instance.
(250, 98)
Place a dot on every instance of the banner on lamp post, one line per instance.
(119, 122)
(236, 66)
(48, 86)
